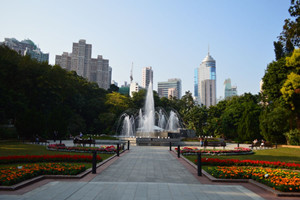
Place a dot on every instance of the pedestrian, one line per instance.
(201, 141)
(205, 143)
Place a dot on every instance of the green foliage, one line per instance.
(273, 80)
(273, 123)
(278, 48)
(293, 137)
(117, 103)
(39, 98)
(289, 91)
(290, 33)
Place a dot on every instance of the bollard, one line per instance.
(252, 146)
(128, 144)
(178, 151)
(276, 145)
(238, 145)
(94, 161)
(118, 146)
(170, 146)
(199, 164)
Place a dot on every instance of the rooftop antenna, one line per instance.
(208, 49)
(131, 74)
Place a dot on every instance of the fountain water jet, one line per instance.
(145, 121)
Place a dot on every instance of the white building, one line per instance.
(207, 82)
(134, 87)
(147, 76)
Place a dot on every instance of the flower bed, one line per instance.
(195, 150)
(101, 149)
(13, 175)
(46, 158)
(278, 179)
(230, 162)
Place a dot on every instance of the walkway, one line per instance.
(144, 173)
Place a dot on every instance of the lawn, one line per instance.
(280, 154)
(13, 148)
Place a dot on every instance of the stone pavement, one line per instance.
(143, 173)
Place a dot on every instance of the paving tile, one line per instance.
(145, 173)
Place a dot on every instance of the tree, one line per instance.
(291, 31)
(274, 123)
(248, 128)
(273, 80)
(278, 48)
(196, 119)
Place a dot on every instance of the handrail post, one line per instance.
(94, 161)
(118, 149)
(199, 164)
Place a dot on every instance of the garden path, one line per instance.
(143, 173)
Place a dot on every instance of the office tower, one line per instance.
(196, 80)
(229, 90)
(26, 47)
(147, 74)
(80, 60)
(163, 87)
(207, 81)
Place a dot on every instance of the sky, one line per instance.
(172, 36)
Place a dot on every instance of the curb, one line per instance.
(42, 177)
(251, 181)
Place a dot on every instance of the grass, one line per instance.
(280, 154)
(14, 148)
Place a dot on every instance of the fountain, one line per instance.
(150, 123)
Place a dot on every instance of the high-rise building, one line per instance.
(196, 80)
(64, 60)
(207, 82)
(26, 47)
(80, 60)
(147, 76)
(229, 90)
(163, 87)
(172, 92)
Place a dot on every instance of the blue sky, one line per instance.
(172, 36)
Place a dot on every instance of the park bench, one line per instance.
(39, 140)
(84, 142)
(215, 144)
(258, 144)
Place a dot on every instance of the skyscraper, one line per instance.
(229, 90)
(80, 60)
(26, 47)
(147, 76)
(196, 83)
(207, 81)
(163, 88)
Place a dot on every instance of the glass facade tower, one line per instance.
(207, 82)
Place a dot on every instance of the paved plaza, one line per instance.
(142, 173)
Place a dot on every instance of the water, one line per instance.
(128, 126)
(173, 122)
(146, 120)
